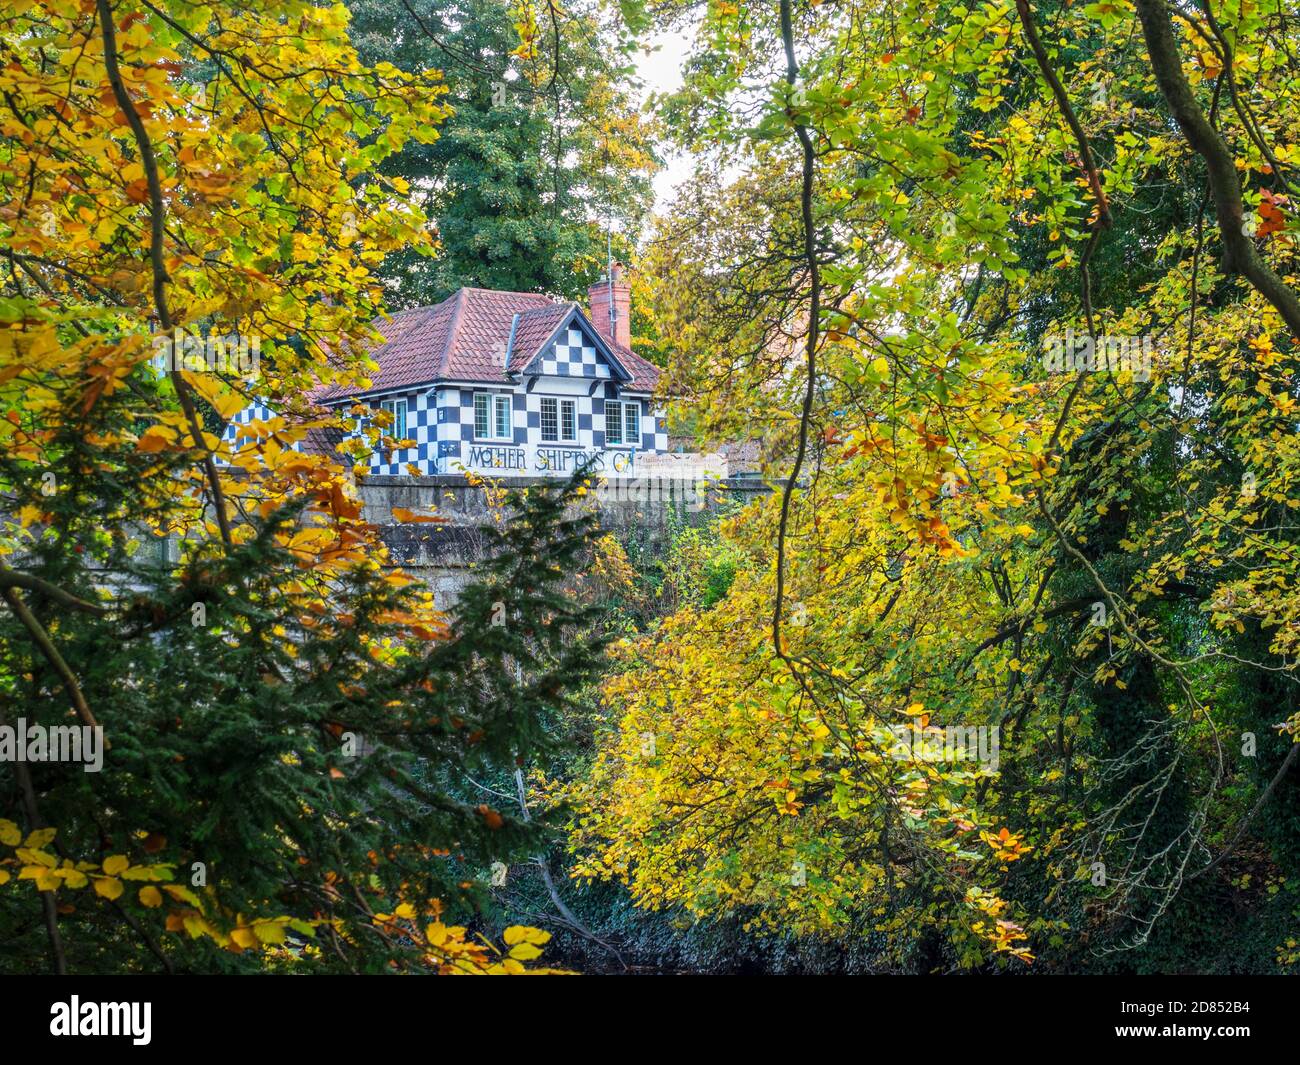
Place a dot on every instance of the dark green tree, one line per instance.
(544, 152)
(317, 771)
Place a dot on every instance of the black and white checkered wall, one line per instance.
(254, 412)
(440, 419)
(570, 355)
(421, 428)
(235, 433)
(455, 407)
(653, 433)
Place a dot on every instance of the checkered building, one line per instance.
(510, 384)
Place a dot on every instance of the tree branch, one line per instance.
(1240, 255)
(814, 313)
(1259, 805)
(1063, 103)
(149, 164)
(12, 579)
(51, 653)
(48, 905)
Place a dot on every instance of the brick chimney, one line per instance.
(620, 329)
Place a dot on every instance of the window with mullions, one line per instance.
(622, 423)
(559, 420)
(491, 416)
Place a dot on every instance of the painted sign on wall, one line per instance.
(540, 460)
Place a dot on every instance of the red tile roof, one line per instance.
(535, 329)
(645, 375)
(465, 338)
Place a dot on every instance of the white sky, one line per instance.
(661, 70)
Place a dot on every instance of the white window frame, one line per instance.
(391, 431)
(623, 406)
(562, 406)
(496, 403)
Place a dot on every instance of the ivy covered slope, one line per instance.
(1088, 547)
(286, 718)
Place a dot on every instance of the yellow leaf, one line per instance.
(44, 877)
(269, 932)
(26, 854)
(244, 937)
(150, 896)
(114, 864)
(183, 894)
(9, 834)
(196, 926)
(108, 886)
(225, 400)
(408, 517)
(41, 837)
(156, 438)
(526, 934)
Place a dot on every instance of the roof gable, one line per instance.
(573, 348)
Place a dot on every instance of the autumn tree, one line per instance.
(287, 717)
(1094, 555)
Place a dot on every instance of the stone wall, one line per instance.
(443, 554)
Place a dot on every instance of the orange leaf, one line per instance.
(156, 438)
(1271, 218)
(409, 516)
